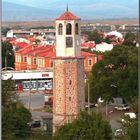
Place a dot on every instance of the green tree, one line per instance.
(14, 115)
(94, 36)
(85, 127)
(116, 75)
(5, 30)
(8, 93)
(130, 39)
(131, 131)
(8, 58)
(130, 128)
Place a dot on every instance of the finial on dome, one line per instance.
(67, 8)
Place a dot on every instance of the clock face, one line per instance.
(69, 42)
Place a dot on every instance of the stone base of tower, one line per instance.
(68, 90)
(59, 120)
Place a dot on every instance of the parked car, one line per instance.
(122, 107)
(35, 123)
(91, 105)
(130, 115)
(118, 133)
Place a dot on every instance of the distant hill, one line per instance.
(16, 12)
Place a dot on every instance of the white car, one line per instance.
(118, 133)
(122, 107)
(131, 115)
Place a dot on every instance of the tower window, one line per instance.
(60, 29)
(76, 28)
(69, 98)
(68, 29)
(69, 42)
(70, 82)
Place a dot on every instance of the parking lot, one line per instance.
(37, 101)
(112, 115)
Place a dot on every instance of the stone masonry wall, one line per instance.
(68, 90)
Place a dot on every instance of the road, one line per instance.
(36, 100)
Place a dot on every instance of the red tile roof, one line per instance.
(86, 54)
(49, 54)
(31, 39)
(45, 51)
(68, 16)
(25, 50)
(12, 40)
(88, 45)
(21, 44)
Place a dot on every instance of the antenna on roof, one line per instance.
(67, 8)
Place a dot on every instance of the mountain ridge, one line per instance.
(17, 12)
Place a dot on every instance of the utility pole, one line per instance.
(30, 96)
(88, 97)
(6, 61)
(106, 110)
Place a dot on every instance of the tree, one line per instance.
(5, 30)
(8, 58)
(8, 93)
(116, 75)
(94, 36)
(85, 127)
(14, 115)
(130, 39)
(131, 130)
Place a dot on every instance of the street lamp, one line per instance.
(88, 86)
(88, 97)
(30, 95)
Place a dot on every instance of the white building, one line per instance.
(103, 47)
(115, 33)
(10, 34)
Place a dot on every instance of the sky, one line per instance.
(100, 8)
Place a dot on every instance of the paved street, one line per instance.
(36, 100)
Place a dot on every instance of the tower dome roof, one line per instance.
(68, 16)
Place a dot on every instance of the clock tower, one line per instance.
(68, 69)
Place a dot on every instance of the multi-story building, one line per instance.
(33, 57)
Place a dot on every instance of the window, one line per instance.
(68, 29)
(51, 63)
(35, 61)
(89, 62)
(76, 28)
(69, 42)
(60, 29)
(25, 59)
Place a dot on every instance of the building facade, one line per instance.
(68, 68)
